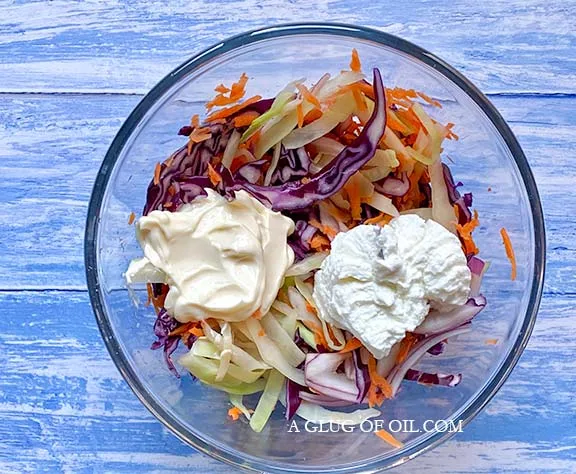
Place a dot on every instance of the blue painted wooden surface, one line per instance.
(70, 72)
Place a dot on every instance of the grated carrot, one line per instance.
(405, 345)
(238, 162)
(196, 331)
(183, 329)
(491, 341)
(251, 142)
(157, 171)
(167, 205)
(245, 118)
(388, 438)
(195, 121)
(131, 218)
(257, 314)
(428, 99)
(300, 114)
(360, 102)
(235, 93)
(355, 64)
(310, 308)
(222, 89)
(308, 96)
(261, 333)
(171, 190)
(149, 294)
(317, 330)
(328, 231)
(198, 135)
(234, 413)
(351, 345)
(319, 242)
(214, 176)
(353, 193)
(509, 251)
(367, 89)
(465, 233)
(379, 389)
(226, 112)
(313, 115)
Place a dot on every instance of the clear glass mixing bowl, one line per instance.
(487, 158)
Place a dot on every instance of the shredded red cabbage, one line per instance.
(393, 186)
(464, 202)
(447, 380)
(293, 164)
(300, 195)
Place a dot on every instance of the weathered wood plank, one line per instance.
(51, 148)
(502, 45)
(65, 408)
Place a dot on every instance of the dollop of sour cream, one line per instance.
(379, 282)
(222, 258)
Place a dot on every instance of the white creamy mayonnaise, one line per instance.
(379, 282)
(222, 259)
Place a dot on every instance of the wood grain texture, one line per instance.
(70, 73)
(51, 148)
(502, 45)
(65, 408)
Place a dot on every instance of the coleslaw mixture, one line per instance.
(343, 153)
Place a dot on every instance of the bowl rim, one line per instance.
(274, 32)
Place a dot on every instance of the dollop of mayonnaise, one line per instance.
(222, 258)
(379, 282)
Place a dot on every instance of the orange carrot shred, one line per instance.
(182, 329)
(509, 251)
(491, 341)
(388, 438)
(300, 114)
(465, 233)
(214, 176)
(245, 118)
(310, 308)
(196, 331)
(313, 115)
(308, 96)
(257, 314)
(234, 413)
(355, 64)
(354, 199)
(222, 89)
(319, 334)
(360, 102)
(150, 294)
(223, 113)
(351, 345)
(318, 242)
(131, 218)
(405, 345)
(167, 205)
(261, 333)
(195, 121)
(326, 230)
(157, 171)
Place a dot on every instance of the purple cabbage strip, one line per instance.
(393, 186)
(293, 399)
(186, 167)
(437, 349)
(437, 323)
(418, 351)
(299, 239)
(464, 203)
(251, 172)
(163, 326)
(361, 376)
(299, 195)
(292, 165)
(446, 380)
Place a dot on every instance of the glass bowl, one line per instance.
(486, 158)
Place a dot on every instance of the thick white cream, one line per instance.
(379, 282)
(222, 259)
